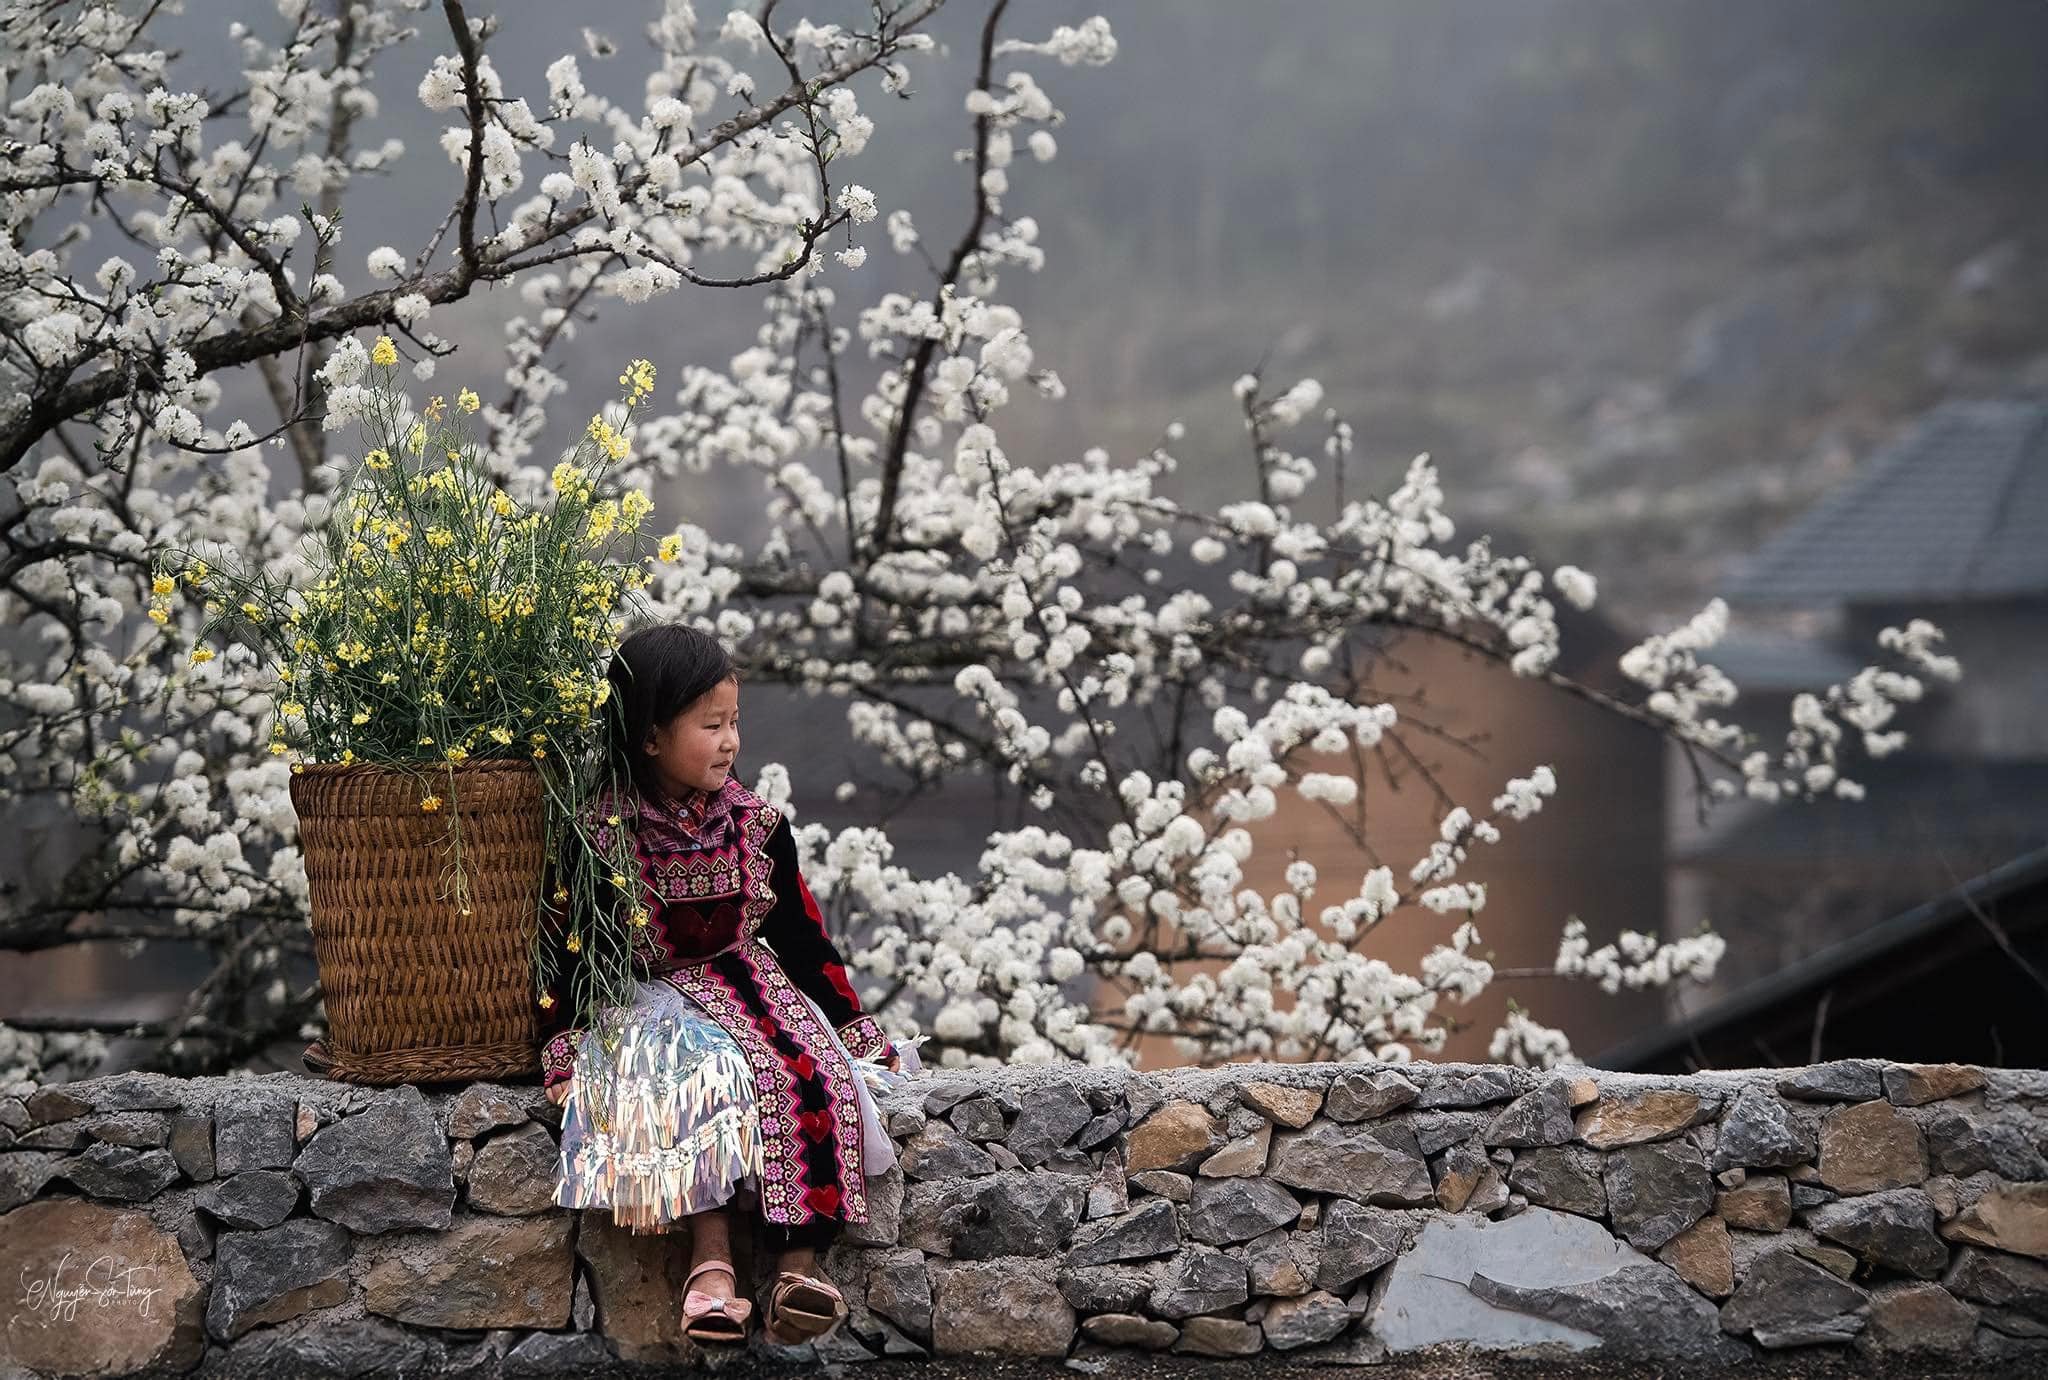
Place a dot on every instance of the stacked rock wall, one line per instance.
(1320, 1214)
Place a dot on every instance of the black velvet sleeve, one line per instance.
(795, 930)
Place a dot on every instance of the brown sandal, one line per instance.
(708, 1318)
(802, 1309)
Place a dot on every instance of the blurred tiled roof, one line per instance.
(1957, 508)
(1770, 662)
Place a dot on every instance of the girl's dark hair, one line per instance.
(656, 674)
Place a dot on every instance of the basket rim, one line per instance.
(344, 770)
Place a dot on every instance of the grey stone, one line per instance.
(484, 1107)
(23, 1174)
(251, 1200)
(1152, 1229)
(1423, 1298)
(1180, 1188)
(1640, 1309)
(1542, 1117)
(1354, 1241)
(513, 1174)
(1242, 1157)
(1895, 1229)
(1366, 1094)
(1230, 1210)
(1047, 1118)
(137, 1130)
(1999, 1279)
(1110, 1288)
(555, 1353)
(271, 1276)
(1656, 1190)
(1011, 1212)
(386, 1168)
(1010, 1306)
(1317, 1316)
(1963, 1144)
(946, 1093)
(191, 1145)
(121, 1173)
(1810, 1196)
(885, 1211)
(1100, 1129)
(133, 1091)
(1282, 1263)
(1199, 1281)
(1375, 1162)
(978, 1118)
(900, 1289)
(56, 1135)
(1487, 1086)
(1844, 1080)
(254, 1130)
(52, 1103)
(1218, 1337)
(1759, 1132)
(1435, 1131)
(940, 1152)
(1916, 1085)
(1109, 1195)
(1564, 1177)
(1910, 1319)
(484, 1272)
(1787, 1300)
(1129, 1329)
(1003, 1158)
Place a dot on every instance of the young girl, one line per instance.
(743, 1071)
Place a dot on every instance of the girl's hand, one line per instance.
(893, 1063)
(559, 1093)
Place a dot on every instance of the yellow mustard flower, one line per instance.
(159, 616)
(201, 655)
(384, 352)
(430, 804)
(502, 735)
(163, 584)
(574, 943)
(379, 459)
(671, 548)
(468, 401)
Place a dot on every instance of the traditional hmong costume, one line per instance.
(746, 1061)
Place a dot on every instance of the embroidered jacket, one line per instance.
(732, 924)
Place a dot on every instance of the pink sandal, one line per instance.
(802, 1308)
(708, 1318)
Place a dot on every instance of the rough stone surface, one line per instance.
(1894, 1228)
(1008, 1306)
(270, 1276)
(1293, 1108)
(191, 1145)
(1282, 1263)
(1703, 1256)
(1354, 1241)
(1759, 1132)
(885, 1211)
(1963, 1143)
(1640, 1308)
(484, 1107)
(1761, 1202)
(1313, 1317)
(1656, 1190)
(1009, 1212)
(2005, 1281)
(1497, 1083)
(1239, 1158)
(899, 1287)
(1367, 1094)
(481, 1272)
(940, 1152)
(2011, 1217)
(254, 1130)
(119, 1172)
(1542, 1117)
(1844, 1080)
(1047, 1118)
(252, 1200)
(514, 1173)
(1633, 1118)
(1787, 1300)
(1377, 1162)
(1175, 1137)
(1110, 1288)
(1564, 1177)
(94, 1290)
(1199, 1280)
(1130, 1329)
(1152, 1229)
(1218, 1337)
(1164, 1182)
(1869, 1147)
(1436, 1131)
(979, 1118)
(1230, 1210)
(386, 1168)
(1915, 1085)
(1916, 1319)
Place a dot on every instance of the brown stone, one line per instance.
(484, 1107)
(1010, 1305)
(1167, 1184)
(1174, 1137)
(514, 1174)
(1241, 1158)
(1293, 1108)
(1218, 1337)
(1870, 1146)
(1917, 1317)
(1129, 1329)
(1833, 1259)
(1582, 1091)
(2011, 1217)
(306, 1123)
(1763, 1202)
(1632, 1118)
(1703, 1257)
(1458, 1173)
(482, 1272)
(95, 1290)
(1915, 1085)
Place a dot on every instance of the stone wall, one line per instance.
(1324, 1213)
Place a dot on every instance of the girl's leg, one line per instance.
(711, 1239)
(796, 1248)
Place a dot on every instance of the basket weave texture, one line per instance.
(415, 991)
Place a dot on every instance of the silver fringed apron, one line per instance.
(681, 1129)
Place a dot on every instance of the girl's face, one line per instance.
(696, 748)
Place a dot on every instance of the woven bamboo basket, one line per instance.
(415, 991)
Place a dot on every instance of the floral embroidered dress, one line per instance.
(748, 1057)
